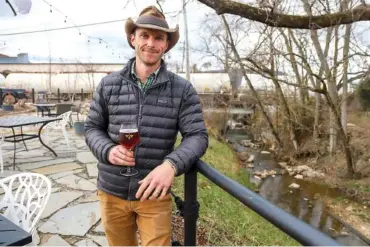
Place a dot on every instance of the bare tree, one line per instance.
(250, 85)
(275, 19)
(279, 91)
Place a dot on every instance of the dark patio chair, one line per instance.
(60, 109)
(76, 111)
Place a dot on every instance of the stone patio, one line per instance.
(71, 217)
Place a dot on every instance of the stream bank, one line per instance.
(285, 187)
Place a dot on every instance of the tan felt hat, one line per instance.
(152, 18)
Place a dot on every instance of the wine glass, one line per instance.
(128, 138)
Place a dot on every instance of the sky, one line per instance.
(105, 43)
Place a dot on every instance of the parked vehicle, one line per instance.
(14, 94)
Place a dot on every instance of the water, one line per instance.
(304, 203)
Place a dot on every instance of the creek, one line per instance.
(305, 202)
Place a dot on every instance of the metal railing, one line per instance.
(294, 227)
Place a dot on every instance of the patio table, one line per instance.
(12, 235)
(21, 121)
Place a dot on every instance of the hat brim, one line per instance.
(174, 34)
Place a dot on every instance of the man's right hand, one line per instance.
(121, 156)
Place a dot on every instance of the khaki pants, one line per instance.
(122, 218)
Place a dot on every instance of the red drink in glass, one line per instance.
(128, 138)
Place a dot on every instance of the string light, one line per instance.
(79, 31)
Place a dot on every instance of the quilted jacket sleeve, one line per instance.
(96, 126)
(193, 130)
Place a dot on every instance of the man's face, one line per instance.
(150, 45)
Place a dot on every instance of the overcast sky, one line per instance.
(68, 45)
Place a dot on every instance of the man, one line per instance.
(162, 103)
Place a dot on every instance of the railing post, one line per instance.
(82, 94)
(33, 95)
(191, 208)
(1, 97)
(58, 95)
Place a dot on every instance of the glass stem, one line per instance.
(129, 168)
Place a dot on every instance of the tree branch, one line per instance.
(273, 19)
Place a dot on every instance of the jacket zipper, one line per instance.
(142, 96)
(141, 103)
(138, 127)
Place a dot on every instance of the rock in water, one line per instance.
(294, 186)
(243, 156)
(251, 159)
(245, 142)
(283, 164)
(298, 176)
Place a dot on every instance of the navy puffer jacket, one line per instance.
(169, 105)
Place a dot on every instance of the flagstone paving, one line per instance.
(72, 216)
(82, 215)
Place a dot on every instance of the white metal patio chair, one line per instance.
(1, 153)
(59, 125)
(25, 198)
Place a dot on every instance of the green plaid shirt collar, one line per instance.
(149, 80)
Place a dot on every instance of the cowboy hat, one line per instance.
(152, 18)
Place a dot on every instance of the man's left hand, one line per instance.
(157, 183)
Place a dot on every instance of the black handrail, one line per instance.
(294, 227)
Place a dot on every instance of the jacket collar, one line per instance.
(162, 75)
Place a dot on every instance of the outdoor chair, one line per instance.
(1, 153)
(60, 109)
(75, 111)
(59, 125)
(24, 199)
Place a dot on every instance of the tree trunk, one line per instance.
(294, 66)
(317, 117)
(347, 37)
(345, 140)
(316, 83)
(332, 88)
(283, 102)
